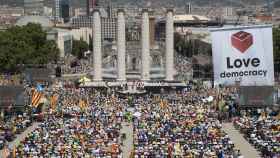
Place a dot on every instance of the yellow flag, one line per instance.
(54, 99)
(161, 104)
(82, 104)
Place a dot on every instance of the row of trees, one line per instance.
(25, 45)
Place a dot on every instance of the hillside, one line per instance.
(156, 3)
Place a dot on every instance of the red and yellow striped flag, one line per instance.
(36, 97)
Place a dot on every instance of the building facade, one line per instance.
(81, 21)
(65, 10)
(63, 39)
(62, 10)
(109, 26)
(109, 29)
(33, 7)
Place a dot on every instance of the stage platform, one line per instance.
(140, 84)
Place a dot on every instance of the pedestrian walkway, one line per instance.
(246, 149)
(20, 137)
(127, 147)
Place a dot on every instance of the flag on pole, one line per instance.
(36, 97)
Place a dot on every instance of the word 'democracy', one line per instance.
(244, 55)
(240, 64)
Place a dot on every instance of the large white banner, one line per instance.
(243, 54)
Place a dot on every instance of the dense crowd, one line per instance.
(9, 128)
(86, 122)
(76, 130)
(263, 131)
(180, 126)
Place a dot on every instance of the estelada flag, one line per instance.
(36, 97)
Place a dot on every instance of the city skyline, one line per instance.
(82, 3)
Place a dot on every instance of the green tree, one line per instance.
(79, 48)
(25, 45)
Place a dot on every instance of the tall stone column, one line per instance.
(169, 43)
(145, 40)
(121, 46)
(97, 47)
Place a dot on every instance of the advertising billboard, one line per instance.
(244, 55)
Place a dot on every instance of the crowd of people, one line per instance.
(11, 127)
(86, 122)
(180, 126)
(76, 66)
(262, 131)
(7, 79)
(76, 130)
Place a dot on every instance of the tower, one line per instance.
(62, 8)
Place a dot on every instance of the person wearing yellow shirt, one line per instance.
(177, 149)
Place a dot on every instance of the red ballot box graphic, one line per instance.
(242, 41)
